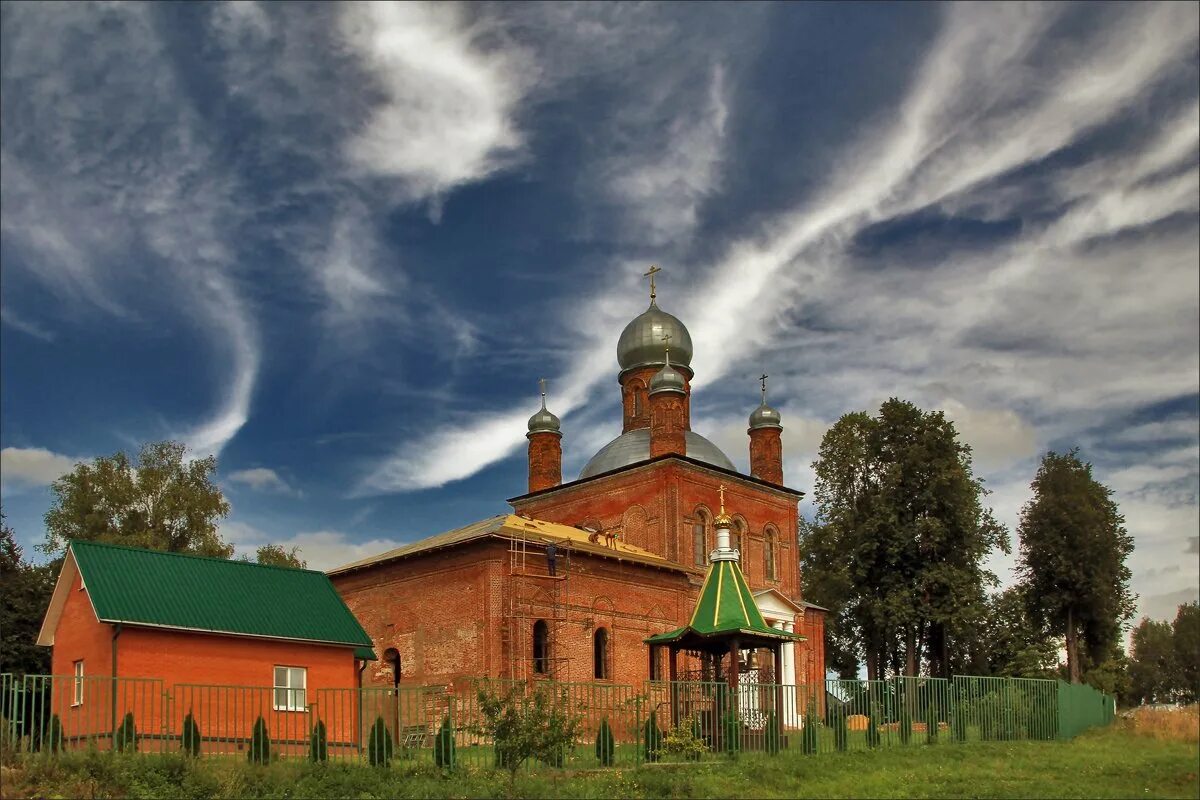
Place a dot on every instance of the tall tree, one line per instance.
(1185, 634)
(25, 591)
(161, 501)
(1072, 559)
(1012, 644)
(1153, 671)
(899, 538)
(275, 555)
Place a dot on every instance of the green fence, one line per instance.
(444, 723)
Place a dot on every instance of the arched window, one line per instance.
(699, 538)
(541, 647)
(600, 654)
(737, 533)
(769, 539)
(392, 656)
(637, 403)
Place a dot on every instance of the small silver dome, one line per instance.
(641, 343)
(634, 446)
(667, 380)
(765, 417)
(544, 422)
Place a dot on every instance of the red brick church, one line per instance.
(572, 583)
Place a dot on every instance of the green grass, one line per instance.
(1109, 763)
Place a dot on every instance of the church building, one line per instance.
(576, 582)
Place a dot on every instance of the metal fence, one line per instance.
(47, 714)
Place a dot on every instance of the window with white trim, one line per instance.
(290, 683)
(77, 694)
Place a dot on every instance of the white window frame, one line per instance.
(284, 679)
(77, 687)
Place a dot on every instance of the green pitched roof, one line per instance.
(725, 606)
(172, 590)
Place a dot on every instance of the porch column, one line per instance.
(789, 669)
(672, 688)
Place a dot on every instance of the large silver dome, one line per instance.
(634, 446)
(641, 343)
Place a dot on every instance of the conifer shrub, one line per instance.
(444, 753)
(189, 739)
(808, 737)
(50, 739)
(379, 744)
(651, 739)
(931, 723)
(605, 745)
(732, 728)
(841, 735)
(318, 743)
(872, 725)
(960, 720)
(773, 734)
(905, 723)
(260, 743)
(125, 736)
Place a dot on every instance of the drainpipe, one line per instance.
(359, 694)
(113, 693)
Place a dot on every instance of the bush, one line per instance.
(904, 724)
(538, 726)
(260, 743)
(379, 745)
(931, 723)
(318, 744)
(732, 730)
(685, 740)
(443, 746)
(872, 725)
(605, 744)
(651, 739)
(808, 738)
(773, 734)
(50, 738)
(841, 736)
(960, 720)
(125, 736)
(190, 737)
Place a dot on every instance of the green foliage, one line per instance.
(897, 548)
(1153, 669)
(318, 744)
(1111, 675)
(1012, 643)
(1185, 634)
(538, 725)
(379, 744)
(1072, 561)
(276, 556)
(444, 754)
(685, 740)
(651, 739)
(931, 723)
(125, 736)
(189, 739)
(841, 735)
(808, 738)
(905, 723)
(961, 715)
(161, 501)
(260, 743)
(774, 735)
(23, 603)
(50, 739)
(605, 744)
(731, 732)
(872, 725)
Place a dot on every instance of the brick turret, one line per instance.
(766, 442)
(545, 448)
(668, 411)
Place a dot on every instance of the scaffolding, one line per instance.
(538, 589)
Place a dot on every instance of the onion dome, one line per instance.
(543, 421)
(764, 416)
(667, 379)
(642, 343)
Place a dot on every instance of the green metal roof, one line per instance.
(725, 606)
(173, 590)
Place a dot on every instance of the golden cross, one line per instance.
(721, 489)
(650, 275)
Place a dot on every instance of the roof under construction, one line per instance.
(512, 526)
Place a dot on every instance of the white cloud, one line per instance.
(16, 322)
(33, 466)
(262, 479)
(323, 549)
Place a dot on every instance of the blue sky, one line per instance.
(338, 245)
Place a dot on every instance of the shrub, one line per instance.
(651, 739)
(50, 738)
(732, 730)
(872, 725)
(318, 744)
(604, 744)
(443, 746)
(685, 740)
(841, 736)
(904, 724)
(931, 723)
(379, 744)
(960, 720)
(260, 743)
(521, 727)
(190, 737)
(125, 736)
(773, 735)
(808, 738)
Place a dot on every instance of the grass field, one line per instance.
(1125, 760)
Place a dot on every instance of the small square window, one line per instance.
(77, 694)
(289, 688)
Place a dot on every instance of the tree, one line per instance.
(897, 546)
(1012, 644)
(1186, 639)
(189, 739)
(379, 744)
(1072, 560)
(24, 598)
(260, 743)
(276, 556)
(160, 501)
(1153, 672)
(444, 754)
(605, 744)
(318, 743)
(538, 725)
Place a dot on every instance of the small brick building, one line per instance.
(572, 583)
(171, 627)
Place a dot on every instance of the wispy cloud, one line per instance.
(32, 466)
(19, 323)
(262, 479)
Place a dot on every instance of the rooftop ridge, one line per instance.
(197, 556)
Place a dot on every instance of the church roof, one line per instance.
(512, 526)
(725, 607)
(633, 447)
